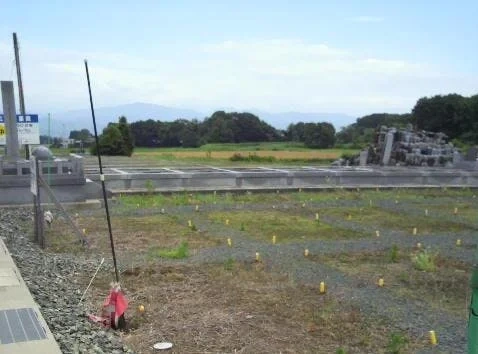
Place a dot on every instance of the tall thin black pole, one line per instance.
(102, 177)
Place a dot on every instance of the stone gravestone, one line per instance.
(471, 154)
(363, 157)
(388, 148)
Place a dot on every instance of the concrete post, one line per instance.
(8, 100)
(388, 148)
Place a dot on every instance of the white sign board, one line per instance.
(27, 127)
(33, 175)
(3, 132)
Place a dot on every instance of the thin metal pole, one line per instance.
(20, 87)
(41, 231)
(102, 177)
(49, 156)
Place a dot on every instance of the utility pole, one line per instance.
(20, 86)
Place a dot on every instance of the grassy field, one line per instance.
(191, 259)
(251, 153)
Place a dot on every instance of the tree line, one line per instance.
(222, 127)
(453, 114)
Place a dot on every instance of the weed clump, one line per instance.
(229, 264)
(180, 252)
(425, 261)
(393, 254)
(397, 343)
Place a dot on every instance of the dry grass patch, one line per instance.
(239, 308)
(132, 234)
(446, 287)
(279, 155)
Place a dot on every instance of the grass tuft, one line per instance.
(397, 344)
(180, 252)
(393, 254)
(425, 261)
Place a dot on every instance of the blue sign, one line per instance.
(27, 118)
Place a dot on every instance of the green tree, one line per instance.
(127, 136)
(83, 135)
(116, 139)
(319, 135)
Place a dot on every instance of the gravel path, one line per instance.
(51, 280)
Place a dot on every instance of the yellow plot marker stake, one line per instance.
(415, 231)
(306, 252)
(258, 257)
(141, 308)
(274, 239)
(381, 282)
(197, 207)
(190, 223)
(377, 233)
(317, 216)
(227, 221)
(419, 245)
(458, 242)
(455, 211)
(84, 231)
(322, 288)
(229, 242)
(433, 338)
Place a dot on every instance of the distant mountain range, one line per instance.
(63, 122)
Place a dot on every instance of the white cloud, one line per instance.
(368, 19)
(275, 75)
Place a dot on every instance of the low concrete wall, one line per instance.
(64, 194)
(56, 172)
(319, 178)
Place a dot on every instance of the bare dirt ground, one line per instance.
(213, 298)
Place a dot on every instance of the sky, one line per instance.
(352, 57)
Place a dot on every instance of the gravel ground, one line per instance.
(413, 316)
(72, 330)
(51, 280)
